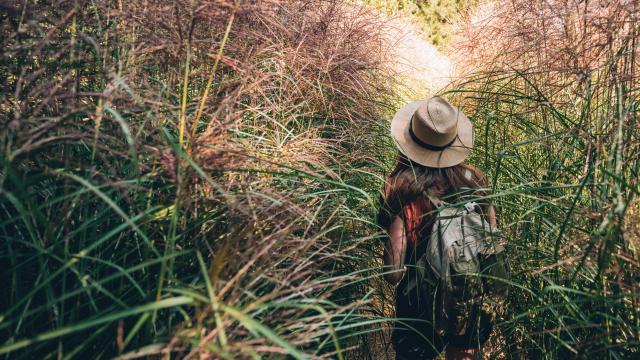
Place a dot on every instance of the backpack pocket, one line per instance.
(463, 258)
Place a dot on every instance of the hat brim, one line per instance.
(451, 156)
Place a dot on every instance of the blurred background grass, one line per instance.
(200, 178)
(436, 19)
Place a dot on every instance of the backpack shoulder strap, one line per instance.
(434, 200)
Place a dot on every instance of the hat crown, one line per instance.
(432, 133)
(435, 122)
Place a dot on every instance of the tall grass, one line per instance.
(189, 178)
(199, 178)
(436, 19)
(555, 106)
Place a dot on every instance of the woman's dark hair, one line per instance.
(405, 191)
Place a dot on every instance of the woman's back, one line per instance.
(433, 138)
(409, 211)
(406, 189)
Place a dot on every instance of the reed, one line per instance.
(555, 104)
(189, 178)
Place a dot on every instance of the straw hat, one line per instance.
(432, 133)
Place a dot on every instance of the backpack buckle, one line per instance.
(471, 206)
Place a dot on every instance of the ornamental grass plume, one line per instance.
(194, 178)
(553, 88)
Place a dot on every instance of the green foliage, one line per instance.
(435, 18)
(562, 206)
(188, 186)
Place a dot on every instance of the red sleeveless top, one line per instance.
(418, 216)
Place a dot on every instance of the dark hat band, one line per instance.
(426, 145)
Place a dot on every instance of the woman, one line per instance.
(434, 138)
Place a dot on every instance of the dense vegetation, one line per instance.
(436, 19)
(198, 183)
(555, 107)
(200, 178)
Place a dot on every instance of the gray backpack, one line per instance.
(464, 262)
